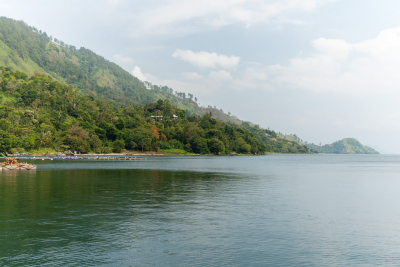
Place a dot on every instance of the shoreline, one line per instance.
(136, 153)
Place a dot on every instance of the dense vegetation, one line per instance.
(344, 146)
(38, 112)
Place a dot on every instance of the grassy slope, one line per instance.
(353, 146)
(11, 59)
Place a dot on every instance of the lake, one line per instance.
(274, 210)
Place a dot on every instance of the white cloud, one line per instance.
(138, 74)
(216, 82)
(123, 59)
(337, 49)
(204, 59)
(220, 75)
(369, 67)
(114, 2)
(180, 16)
(385, 47)
(254, 74)
(191, 76)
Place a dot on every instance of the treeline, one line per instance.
(39, 112)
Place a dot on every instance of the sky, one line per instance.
(321, 69)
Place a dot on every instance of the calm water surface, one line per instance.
(280, 210)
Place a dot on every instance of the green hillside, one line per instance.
(344, 146)
(38, 112)
(292, 138)
(30, 50)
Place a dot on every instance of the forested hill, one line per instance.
(39, 112)
(30, 50)
(344, 146)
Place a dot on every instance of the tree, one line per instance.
(118, 146)
(199, 145)
(76, 144)
(95, 143)
(76, 139)
(111, 131)
(216, 146)
(181, 114)
(242, 146)
(163, 137)
(154, 132)
(143, 138)
(44, 139)
(5, 141)
(120, 124)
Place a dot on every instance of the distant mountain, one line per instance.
(30, 50)
(344, 146)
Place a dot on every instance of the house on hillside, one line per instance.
(161, 117)
(157, 117)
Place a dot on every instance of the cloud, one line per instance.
(114, 2)
(123, 59)
(191, 76)
(220, 75)
(206, 60)
(368, 67)
(338, 49)
(254, 74)
(138, 74)
(220, 81)
(180, 16)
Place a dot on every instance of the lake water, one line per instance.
(276, 210)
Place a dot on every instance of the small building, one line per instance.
(157, 117)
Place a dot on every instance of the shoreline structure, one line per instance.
(91, 155)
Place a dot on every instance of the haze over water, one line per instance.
(280, 210)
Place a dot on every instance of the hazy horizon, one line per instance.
(321, 69)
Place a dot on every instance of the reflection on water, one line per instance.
(244, 211)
